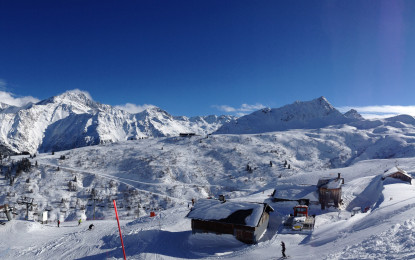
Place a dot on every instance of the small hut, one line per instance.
(246, 221)
(330, 191)
(397, 173)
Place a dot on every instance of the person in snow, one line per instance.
(59, 222)
(283, 249)
(79, 221)
(91, 226)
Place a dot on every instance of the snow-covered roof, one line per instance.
(210, 209)
(395, 170)
(296, 192)
(333, 184)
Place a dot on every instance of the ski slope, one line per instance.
(386, 231)
(164, 174)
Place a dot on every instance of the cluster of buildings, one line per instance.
(249, 221)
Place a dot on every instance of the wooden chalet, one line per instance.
(330, 191)
(246, 221)
(398, 173)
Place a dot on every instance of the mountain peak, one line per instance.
(316, 113)
(353, 114)
(76, 100)
(323, 102)
(76, 95)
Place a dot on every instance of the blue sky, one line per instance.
(212, 57)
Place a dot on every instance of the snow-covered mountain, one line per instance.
(353, 114)
(312, 114)
(163, 175)
(73, 119)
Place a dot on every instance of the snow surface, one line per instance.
(385, 232)
(163, 174)
(137, 165)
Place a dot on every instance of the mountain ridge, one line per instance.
(73, 119)
(316, 113)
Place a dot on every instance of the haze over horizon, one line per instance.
(214, 57)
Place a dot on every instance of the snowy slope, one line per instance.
(169, 171)
(316, 113)
(385, 232)
(172, 170)
(163, 174)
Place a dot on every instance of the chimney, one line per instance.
(338, 175)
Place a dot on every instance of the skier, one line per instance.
(79, 221)
(59, 222)
(283, 249)
(91, 226)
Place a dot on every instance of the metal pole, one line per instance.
(119, 228)
(94, 210)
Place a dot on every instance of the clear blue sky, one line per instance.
(188, 57)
